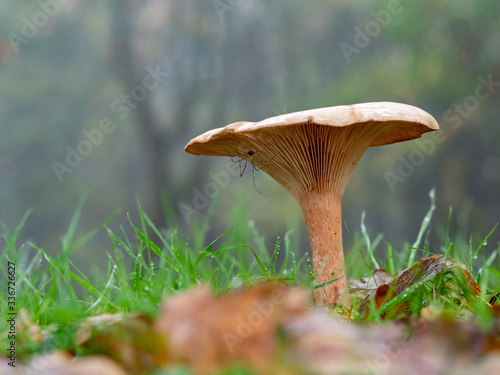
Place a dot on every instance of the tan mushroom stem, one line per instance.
(314, 163)
(323, 217)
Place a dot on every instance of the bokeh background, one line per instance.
(149, 75)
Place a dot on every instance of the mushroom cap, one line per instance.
(315, 150)
(394, 122)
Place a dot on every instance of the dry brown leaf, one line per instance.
(366, 286)
(326, 345)
(422, 270)
(208, 332)
(384, 294)
(489, 365)
(471, 284)
(128, 339)
(494, 299)
(27, 329)
(443, 346)
(267, 326)
(5, 369)
(427, 268)
(61, 363)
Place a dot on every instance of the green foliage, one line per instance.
(140, 273)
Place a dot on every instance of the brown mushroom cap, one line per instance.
(287, 147)
(396, 122)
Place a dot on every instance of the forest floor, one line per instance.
(166, 307)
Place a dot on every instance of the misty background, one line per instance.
(99, 98)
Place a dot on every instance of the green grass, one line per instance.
(140, 273)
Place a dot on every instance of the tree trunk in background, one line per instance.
(155, 144)
(159, 139)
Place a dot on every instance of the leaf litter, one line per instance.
(273, 328)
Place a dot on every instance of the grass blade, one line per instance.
(423, 227)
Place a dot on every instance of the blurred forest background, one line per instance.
(140, 78)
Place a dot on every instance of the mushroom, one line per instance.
(312, 154)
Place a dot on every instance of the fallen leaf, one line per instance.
(128, 339)
(28, 331)
(208, 331)
(366, 286)
(421, 271)
(61, 363)
(427, 268)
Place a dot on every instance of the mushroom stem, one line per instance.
(323, 216)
